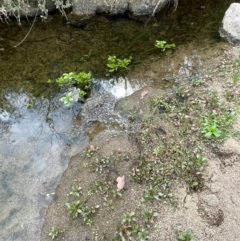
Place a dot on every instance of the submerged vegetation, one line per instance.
(163, 45)
(81, 81)
(115, 64)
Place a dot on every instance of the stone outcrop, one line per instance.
(137, 7)
(31, 8)
(82, 9)
(231, 24)
(27, 8)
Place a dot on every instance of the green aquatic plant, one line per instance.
(29, 105)
(114, 63)
(81, 79)
(66, 79)
(67, 100)
(163, 45)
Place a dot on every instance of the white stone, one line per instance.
(211, 200)
(231, 23)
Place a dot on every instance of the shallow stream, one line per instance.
(36, 143)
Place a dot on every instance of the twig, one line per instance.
(28, 31)
(155, 9)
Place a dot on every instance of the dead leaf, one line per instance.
(144, 93)
(120, 183)
(92, 148)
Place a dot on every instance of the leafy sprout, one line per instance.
(55, 232)
(67, 100)
(163, 45)
(114, 63)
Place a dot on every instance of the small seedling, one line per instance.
(128, 217)
(237, 62)
(90, 192)
(108, 204)
(73, 208)
(163, 45)
(156, 151)
(184, 236)
(197, 82)
(76, 191)
(217, 126)
(211, 129)
(82, 93)
(89, 153)
(193, 183)
(114, 63)
(29, 105)
(55, 231)
(236, 77)
(143, 235)
(116, 193)
(199, 162)
(99, 165)
(150, 194)
(86, 212)
(148, 216)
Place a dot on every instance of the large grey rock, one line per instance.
(30, 8)
(27, 8)
(142, 7)
(82, 7)
(231, 24)
(137, 7)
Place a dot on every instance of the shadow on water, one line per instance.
(36, 143)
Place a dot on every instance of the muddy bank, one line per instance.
(207, 210)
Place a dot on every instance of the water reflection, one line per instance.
(35, 147)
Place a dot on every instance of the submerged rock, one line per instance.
(231, 24)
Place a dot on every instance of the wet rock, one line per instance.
(143, 7)
(137, 7)
(85, 8)
(4, 116)
(231, 27)
(82, 7)
(30, 8)
(99, 108)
